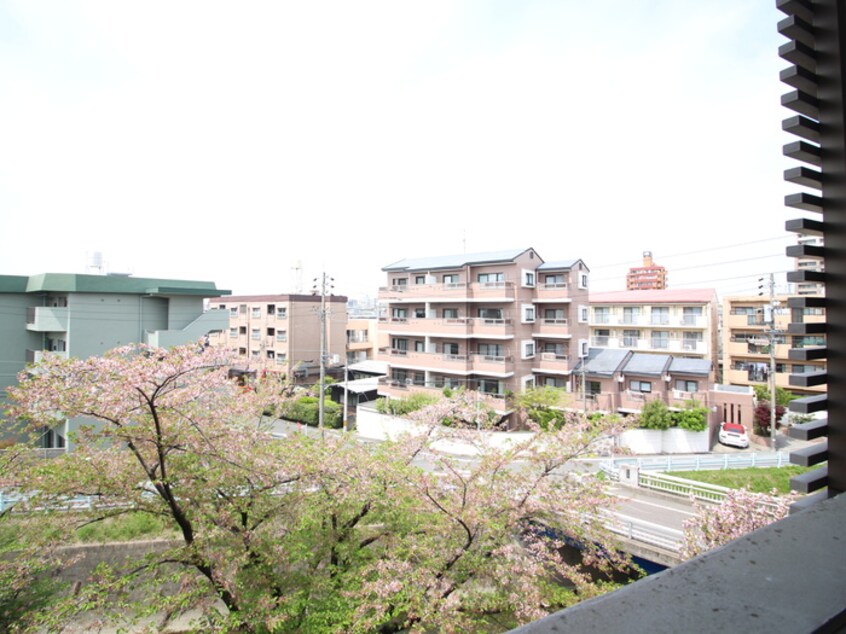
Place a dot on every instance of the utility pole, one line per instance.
(772, 337)
(321, 398)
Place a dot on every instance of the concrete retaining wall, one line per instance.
(673, 440)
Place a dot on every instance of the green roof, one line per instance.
(78, 283)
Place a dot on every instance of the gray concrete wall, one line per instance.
(15, 339)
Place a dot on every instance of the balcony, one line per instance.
(47, 319)
(491, 364)
(475, 291)
(401, 389)
(35, 356)
(552, 362)
(447, 363)
(693, 321)
(209, 321)
(551, 328)
(547, 293)
(600, 342)
(461, 327)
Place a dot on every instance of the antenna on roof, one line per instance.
(298, 277)
(95, 263)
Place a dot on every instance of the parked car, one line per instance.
(733, 434)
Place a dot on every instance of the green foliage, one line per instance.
(125, 527)
(656, 415)
(783, 396)
(755, 479)
(541, 406)
(403, 406)
(692, 418)
(306, 410)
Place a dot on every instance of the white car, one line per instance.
(733, 434)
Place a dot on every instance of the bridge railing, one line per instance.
(680, 486)
(643, 532)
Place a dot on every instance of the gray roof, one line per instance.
(559, 264)
(454, 261)
(603, 361)
(700, 367)
(648, 364)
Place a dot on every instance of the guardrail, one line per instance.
(642, 531)
(680, 486)
(699, 462)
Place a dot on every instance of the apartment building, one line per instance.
(683, 323)
(86, 315)
(362, 339)
(650, 276)
(809, 260)
(746, 344)
(281, 333)
(495, 322)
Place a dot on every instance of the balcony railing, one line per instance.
(47, 319)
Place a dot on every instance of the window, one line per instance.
(661, 339)
(660, 315)
(419, 346)
(583, 280)
(528, 278)
(528, 314)
(491, 278)
(601, 336)
(281, 358)
(556, 349)
(491, 350)
(400, 281)
(691, 315)
(255, 333)
(242, 352)
(489, 386)
(528, 348)
(554, 281)
(450, 313)
(550, 381)
(691, 340)
(601, 315)
(271, 309)
(640, 386)
(271, 332)
(242, 330)
(399, 313)
(450, 278)
(399, 345)
(400, 376)
(281, 313)
(281, 335)
(420, 313)
(233, 332)
(554, 316)
(631, 314)
(419, 279)
(242, 309)
(255, 312)
(683, 385)
(583, 348)
(271, 354)
(450, 349)
(583, 314)
(490, 313)
(254, 354)
(630, 338)
(233, 311)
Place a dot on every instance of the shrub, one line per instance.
(403, 406)
(692, 418)
(306, 410)
(656, 415)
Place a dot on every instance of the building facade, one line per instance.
(86, 315)
(362, 339)
(281, 333)
(746, 343)
(683, 323)
(493, 322)
(650, 276)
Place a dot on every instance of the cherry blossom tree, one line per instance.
(741, 512)
(312, 535)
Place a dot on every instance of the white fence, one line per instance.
(697, 463)
(644, 532)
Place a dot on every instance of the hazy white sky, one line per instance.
(227, 141)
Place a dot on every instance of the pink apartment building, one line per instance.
(494, 322)
(281, 333)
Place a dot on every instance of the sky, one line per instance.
(258, 144)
